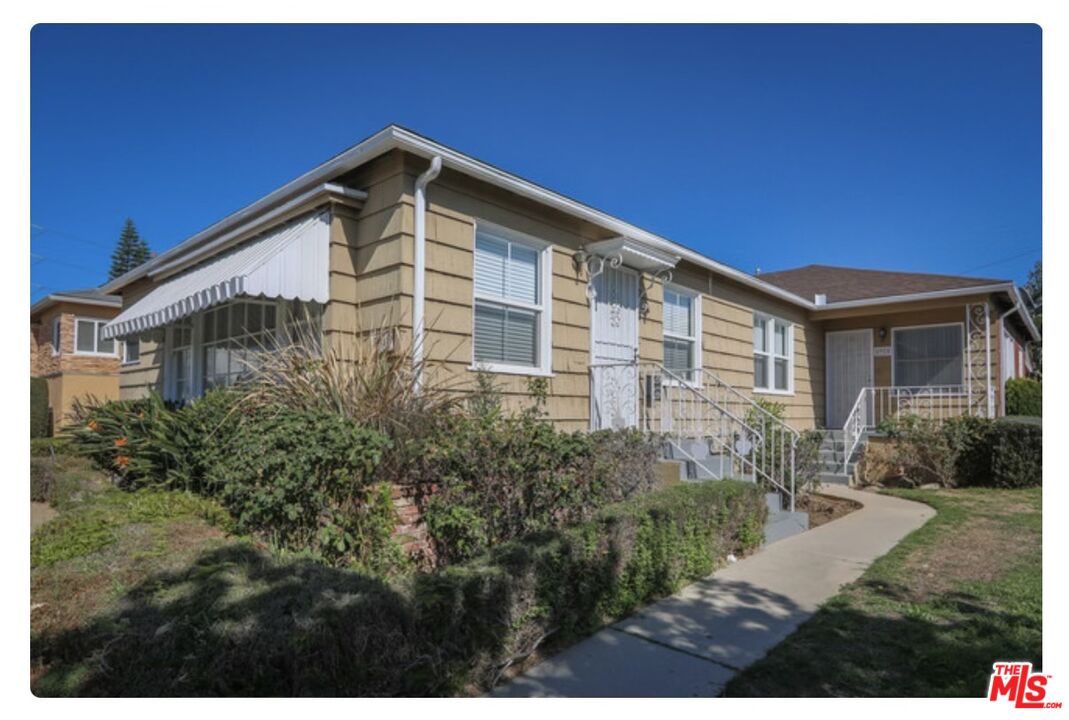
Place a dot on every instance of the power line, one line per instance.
(42, 231)
(1005, 259)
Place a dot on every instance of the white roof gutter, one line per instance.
(913, 297)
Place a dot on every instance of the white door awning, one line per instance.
(289, 262)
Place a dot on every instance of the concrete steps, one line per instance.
(832, 450)
(782, 523)
(693, 460)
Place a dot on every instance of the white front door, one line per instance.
(848, 358)
(614, 350)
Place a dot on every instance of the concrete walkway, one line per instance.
(691, 644)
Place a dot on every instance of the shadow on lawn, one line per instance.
(942, 647)
(237, 623)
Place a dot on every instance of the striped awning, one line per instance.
(289, 262)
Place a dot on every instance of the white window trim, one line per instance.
(770, 343)
(964, 341)
(57, 335)
(96, 337)
(544, 309)
(696, 326)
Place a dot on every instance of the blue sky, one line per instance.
(897, 147)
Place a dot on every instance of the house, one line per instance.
(68, 349)
(478, 269)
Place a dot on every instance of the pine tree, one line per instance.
(131, 251)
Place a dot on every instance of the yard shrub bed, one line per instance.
(237, 621)
(310, 478)
(968, 451)
(497, 609)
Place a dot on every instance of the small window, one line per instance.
(55, 335)
(511, 319)
(89, 337)
(928, 356)
(131, 351)
(682, 332)
(773, 354)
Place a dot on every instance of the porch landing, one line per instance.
(691, 644)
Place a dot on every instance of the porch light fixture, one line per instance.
(883, 333)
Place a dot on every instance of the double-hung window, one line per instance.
(773, 354)
(928, 356)
(88, 337)
(682, 332)
(511, 324)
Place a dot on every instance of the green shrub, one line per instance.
(1017, 454)
(500, 476)
(971, 441)
(304, 478)
(1024, 396)
(186, 444)
(968, 451)
(774, 458)
(46, 447)
(566, 584)
(118, 437)
(921, 449)
(40, 416)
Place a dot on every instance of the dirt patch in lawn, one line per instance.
(823, 509)
(977, 552)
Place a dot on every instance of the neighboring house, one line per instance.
(481, 269)
(68, 349)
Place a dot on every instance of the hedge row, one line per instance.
(40, 417)
(309, 629)
(1004, 453)
(1024, 396)
(968, 451)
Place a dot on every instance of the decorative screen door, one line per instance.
(614, 367)
(849, 368)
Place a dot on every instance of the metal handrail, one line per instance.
(874, 404)
(692, 411)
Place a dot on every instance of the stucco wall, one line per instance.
(69, 374)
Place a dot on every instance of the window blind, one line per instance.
(928, 356)
(507, 296)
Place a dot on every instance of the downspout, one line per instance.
(1001, 356)
(419, 284)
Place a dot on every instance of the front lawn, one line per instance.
(145, 593)
(929, 618)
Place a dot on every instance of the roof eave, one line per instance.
(394, 137)
(1007, 287)
(55, 298)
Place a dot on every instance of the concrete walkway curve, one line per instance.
(691, 644)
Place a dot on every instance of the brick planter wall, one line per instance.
(411, 529)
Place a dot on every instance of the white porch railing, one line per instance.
(697, 405)
(875, 404)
